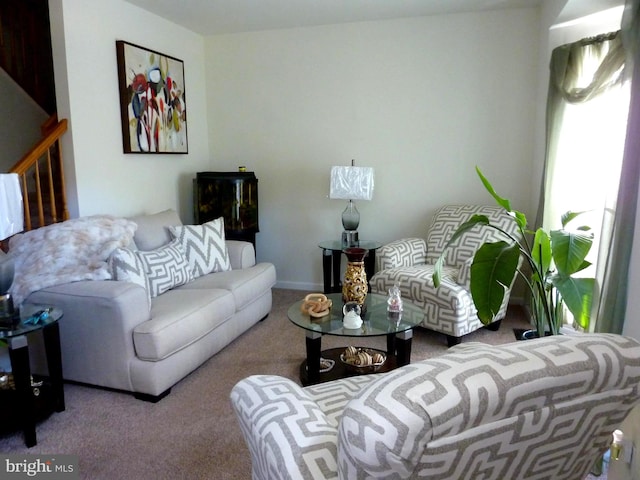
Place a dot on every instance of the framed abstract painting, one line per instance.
(153, 105)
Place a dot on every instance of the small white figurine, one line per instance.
(352, 320)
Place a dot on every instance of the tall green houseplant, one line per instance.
(554, 258)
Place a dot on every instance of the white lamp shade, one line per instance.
(11, 210)
(351, 183)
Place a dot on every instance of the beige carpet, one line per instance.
(192, 433)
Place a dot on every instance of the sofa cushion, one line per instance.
(180, 318)
(166, 267)
(153, 230)
(126, 266)
(204, 246)
(246, 284)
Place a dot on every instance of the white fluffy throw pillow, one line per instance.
(165, 267)
(204, 246)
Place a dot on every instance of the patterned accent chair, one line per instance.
(543, 408)
(409, 263)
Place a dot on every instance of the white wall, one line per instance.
(421, 100)
(102, 178)
(21, 121)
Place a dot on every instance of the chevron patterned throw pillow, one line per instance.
(204, 246)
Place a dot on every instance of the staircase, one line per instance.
(41, 173)
(25, 54)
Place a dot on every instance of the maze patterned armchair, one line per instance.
(543, 408)
(409, 263)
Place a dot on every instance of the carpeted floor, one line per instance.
(192, 433)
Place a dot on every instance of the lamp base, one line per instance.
(350, 239)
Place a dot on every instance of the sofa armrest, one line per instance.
(288, 434)
(405, 252)
(96, 330)
(241, 254)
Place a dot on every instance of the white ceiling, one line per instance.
(210, 17)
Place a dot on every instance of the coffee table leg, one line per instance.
(314, 342)
(391, 344)
(403, 347)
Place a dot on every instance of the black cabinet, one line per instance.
(231, 195)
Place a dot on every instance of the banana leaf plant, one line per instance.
(554, 258)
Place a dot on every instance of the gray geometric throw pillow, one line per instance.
(166, 267)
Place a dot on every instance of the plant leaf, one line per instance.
(520, 218)
(437, 271)
(568, 216)
(577, 294)
(541, 251)
(462, 229)
(503, 202)
(492, 272)
(570, 250)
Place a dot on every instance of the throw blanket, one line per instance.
(66, 252)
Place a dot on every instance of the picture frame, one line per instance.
(153, 105)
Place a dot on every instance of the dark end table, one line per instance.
(332, 259)
(16, 336)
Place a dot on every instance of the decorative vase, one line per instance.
(354, 287)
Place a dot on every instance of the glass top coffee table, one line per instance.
(376, 322)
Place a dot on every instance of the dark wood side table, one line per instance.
(332, 260)
(27, 321)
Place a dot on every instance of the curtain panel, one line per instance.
(611, 309)
(617, 54)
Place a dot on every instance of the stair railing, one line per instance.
(41, 173)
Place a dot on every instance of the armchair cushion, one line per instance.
(406, 252)
(448, 218)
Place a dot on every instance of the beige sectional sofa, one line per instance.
(116, 334)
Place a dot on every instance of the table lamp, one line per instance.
(11, 222)
(351, 183)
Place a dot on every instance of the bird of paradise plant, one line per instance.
(554, 258)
